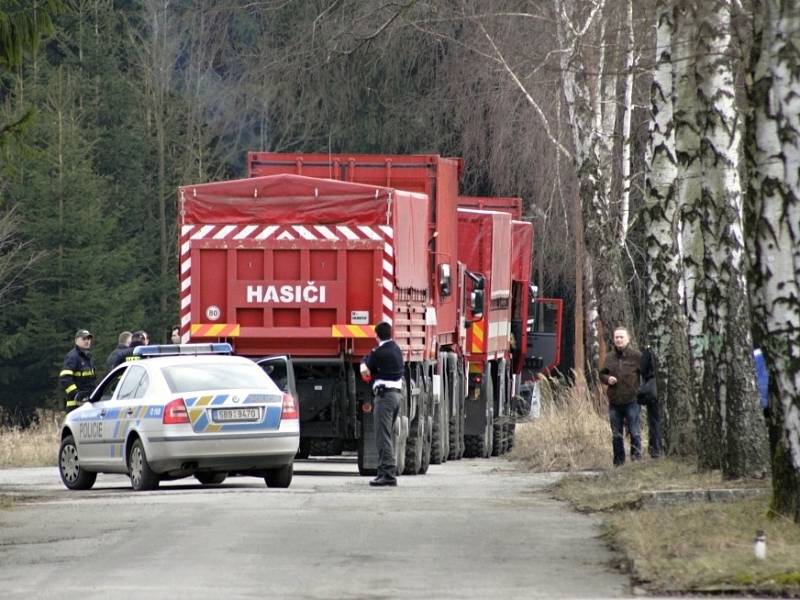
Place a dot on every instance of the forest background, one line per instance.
(653, 143)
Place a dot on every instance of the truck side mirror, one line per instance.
(476, 303)
(444, 280)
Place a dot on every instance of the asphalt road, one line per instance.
(467, 529)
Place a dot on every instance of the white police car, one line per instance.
(181, 410)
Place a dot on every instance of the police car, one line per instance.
(181, 410)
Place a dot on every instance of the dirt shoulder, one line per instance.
(685, 532)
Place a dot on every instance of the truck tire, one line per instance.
(440, 445)
(143, 478)
(362, 453)
(400, 441)
(324, 446)
(473, 446)
(498, 438)
(512, 427)
(414, 447)
(69, 467)
(303, 449)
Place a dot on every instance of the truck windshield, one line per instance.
(211, 377)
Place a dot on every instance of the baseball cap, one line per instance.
(83, 333)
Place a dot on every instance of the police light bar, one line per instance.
(182, 350)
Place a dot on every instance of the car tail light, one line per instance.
(289, 408)
(175, 413)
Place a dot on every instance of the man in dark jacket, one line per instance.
(77, 377)
(384, 366)
(138, 338)
(115, 357)
(621, 373)
(648, 397)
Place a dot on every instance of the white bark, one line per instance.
(627, 109)
(666, 322)
(687, 148)
(775, 251)
(731, 425)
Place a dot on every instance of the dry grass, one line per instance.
(622, 487)
(34, 446)
(571, 433)
(709, 547)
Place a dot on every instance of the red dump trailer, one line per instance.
(287, 265)
(485, 244)
(437, 178)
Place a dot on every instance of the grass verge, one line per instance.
(33, 446)
(685, 548)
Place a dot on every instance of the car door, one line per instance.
(281, 371)
(92, 430)
(123, 411)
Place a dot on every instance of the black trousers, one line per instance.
(387, 407)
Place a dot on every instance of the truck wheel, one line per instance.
(437, 454)
(281, 477)
(512, 427)
(69, 467)
(210, 478)
(474, 446)
(414, 447)
(488, 437)
(142, 476)
(303, 449)
(400, 441)
(362, 451)
(427, 445)
(497, 439)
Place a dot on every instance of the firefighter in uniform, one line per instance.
(77, 377)
(384, 366)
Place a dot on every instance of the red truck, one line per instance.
(437, 178)
(287, 265)
(536, 321)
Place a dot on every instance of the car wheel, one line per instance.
(69, 467)
(142, 476)
(210, 478)
(279, 478)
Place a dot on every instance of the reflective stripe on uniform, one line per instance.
(65, 372)
(72, 402)
(89, 373)
(71, 389)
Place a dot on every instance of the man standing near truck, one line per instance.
(384, 366)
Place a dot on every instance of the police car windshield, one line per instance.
(210, 377)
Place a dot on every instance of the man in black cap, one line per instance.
(77, 377)
(384, 366)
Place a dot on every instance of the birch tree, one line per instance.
(666, 321)
(600, 226)
(731, 434)
(774, 237)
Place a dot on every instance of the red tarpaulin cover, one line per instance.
(298, 200)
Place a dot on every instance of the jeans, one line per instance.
(625, 416)
(654, 445)
(387, 407)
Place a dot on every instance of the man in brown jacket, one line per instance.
(621, 373)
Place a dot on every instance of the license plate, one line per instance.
(228, 415)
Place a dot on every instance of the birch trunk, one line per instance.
(774, 213)
(732, 434)
(627, 109)
(666, 322)
(687, 151)
(599, 227)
